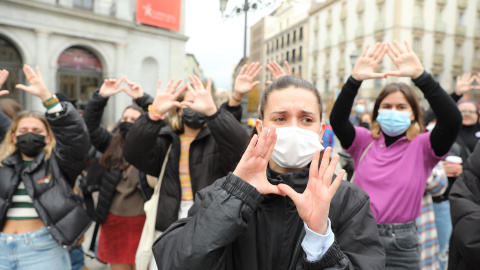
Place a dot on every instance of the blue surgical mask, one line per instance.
(359, 108)
(393, 122)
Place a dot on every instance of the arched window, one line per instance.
(11, 60)
(79, 74)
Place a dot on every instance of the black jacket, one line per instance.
(54, 200)
(213, 153)
(232, 226)
(465, 211)
(101, 138)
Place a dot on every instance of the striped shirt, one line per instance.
(184, 167)
(22, 205)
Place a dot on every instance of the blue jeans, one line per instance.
(32, 251)
(77, 258)
(443, 222)
(402, 245)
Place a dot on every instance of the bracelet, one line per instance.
(237, 100)
(159, 117)
(51, 101)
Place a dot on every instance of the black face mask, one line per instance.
(193, 119)
(365, 125)
(124, 127)
(30, 144)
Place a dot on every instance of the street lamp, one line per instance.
(247, 5)
(353, 58)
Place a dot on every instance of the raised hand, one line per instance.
(167, 99)
(366, 66)
(405, 59)
(134, 90)
(277, 71)
(465, 84)
(3, 77)
(244, 82)
(313, 204)
(37, 86)
(253, 166)
(110, 87)
(202, 98)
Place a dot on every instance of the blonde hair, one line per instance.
(8, 146)
(412, 131)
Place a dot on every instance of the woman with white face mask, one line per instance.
(393, 161)
(245, 221)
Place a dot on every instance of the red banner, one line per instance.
(160, 13)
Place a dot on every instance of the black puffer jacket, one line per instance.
(213, 153)
(465, 211)
(232, 226)
(54, 200)
(101, 138)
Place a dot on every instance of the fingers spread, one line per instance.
(158, 89)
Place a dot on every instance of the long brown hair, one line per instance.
(285, 82)
(417, 126)
(113, 156)
(8, 146)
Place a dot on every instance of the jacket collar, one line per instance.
(16, 160)
(297, 179)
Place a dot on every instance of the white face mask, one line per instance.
(295, 147)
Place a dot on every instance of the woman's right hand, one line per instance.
(167, 99)
(37, 86)
(252, 168)
(368, 62)
(110, 87)
(465, 84)
(277, 71)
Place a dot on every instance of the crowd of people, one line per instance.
(181, 185)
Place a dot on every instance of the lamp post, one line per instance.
(245, 7)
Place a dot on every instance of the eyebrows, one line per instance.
(301, 112)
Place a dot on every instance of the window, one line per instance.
(380, 12)
(377, 83)
(458, 50)
(476, 53)
(288, 59)
(327, 86)
(300, 53)
(478, 21)
(460, 18)
(300, 71)
(268, 51)
(83, 4)
(277, 44)
(293, 56)
(438, 47)
(417, 45)
(293, 70)
(454, 82)
(436, 77)
(288, 39)
(294, 36)
(282, 41)
(300, 34)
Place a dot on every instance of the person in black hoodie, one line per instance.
(244, 221)
(464, 200)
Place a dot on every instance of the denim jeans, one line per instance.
(443, 222)
(32, 251)
(402, 245)
(77, 258)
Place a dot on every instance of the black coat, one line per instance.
(213, 153)
(465, 211)
(54, 200)
(232, 226)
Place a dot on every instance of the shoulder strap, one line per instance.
(361, 157)
(162, 172)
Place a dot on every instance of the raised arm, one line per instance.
(449, 119)
(143, 148)
(99, 135)
(364, 69)
(72, 142)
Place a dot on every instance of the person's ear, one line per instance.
(258, 126)
(324, 126)
(48, 138)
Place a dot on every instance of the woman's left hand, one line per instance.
(313, 204)
(202, 97)
(406, 61)
(37, 86)
(134, 90)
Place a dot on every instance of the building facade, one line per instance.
(444, 34)
(78, 43)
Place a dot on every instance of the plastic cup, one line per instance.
(454, 159)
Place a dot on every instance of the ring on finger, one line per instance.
(262, 155)
(29, 78)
